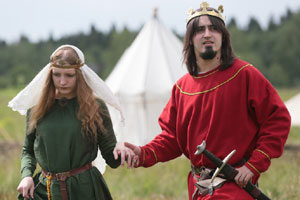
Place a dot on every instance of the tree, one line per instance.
(271, 25)
(232, 24)
(277, 75)
(254, 26)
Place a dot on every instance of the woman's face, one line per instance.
(64, 82)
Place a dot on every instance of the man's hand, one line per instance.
(244, 176)
(26, 187)
(137, 152)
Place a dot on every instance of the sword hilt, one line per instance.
(228, 170)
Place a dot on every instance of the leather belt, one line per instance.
(62, 177)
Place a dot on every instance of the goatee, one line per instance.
(208, 54)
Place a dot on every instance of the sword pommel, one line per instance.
(200, 148)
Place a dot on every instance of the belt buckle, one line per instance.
(62, 176)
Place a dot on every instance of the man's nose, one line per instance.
(207, 32)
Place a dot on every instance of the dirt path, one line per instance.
(8, 147)
(292, 147)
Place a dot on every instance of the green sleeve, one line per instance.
(28, 161)
(107, 141)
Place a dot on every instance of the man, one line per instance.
(226, 102)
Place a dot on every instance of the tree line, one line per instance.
(275, 50)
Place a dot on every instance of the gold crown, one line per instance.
(204, 11)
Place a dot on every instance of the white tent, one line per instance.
(142, 80)
(293, 106)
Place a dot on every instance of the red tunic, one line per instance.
(232, 109)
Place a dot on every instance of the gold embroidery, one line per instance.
(211, 89)
(154, 155)
(253, 167)
(263, 153)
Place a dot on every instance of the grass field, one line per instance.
(164, 181)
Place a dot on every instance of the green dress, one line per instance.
(58, 145)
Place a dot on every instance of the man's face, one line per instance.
(207, 40)
(64, 82)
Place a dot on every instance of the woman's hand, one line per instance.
(127, 155)
(244, 176)
(26, 187)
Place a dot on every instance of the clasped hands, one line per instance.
(128, 152)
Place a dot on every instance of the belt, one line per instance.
(62, 177)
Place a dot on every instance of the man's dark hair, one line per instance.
(227, 54)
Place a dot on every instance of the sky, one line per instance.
(38, 19)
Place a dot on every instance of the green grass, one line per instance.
(9, 175)
(287, 93)
(164, 181)
(12, 124)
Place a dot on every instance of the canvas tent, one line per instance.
(293, 106)
(143, 79)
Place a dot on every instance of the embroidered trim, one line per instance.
(154, 155)
(253, 167)
(263, 153)
(143, 156)
(206, 74)
(209, 90)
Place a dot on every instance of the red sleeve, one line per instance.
(273, 119)
(164, 146)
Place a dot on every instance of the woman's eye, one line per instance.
(56, 74)
(70, 75)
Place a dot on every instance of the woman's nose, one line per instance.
(63, 81)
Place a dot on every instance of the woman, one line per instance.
(64, 129)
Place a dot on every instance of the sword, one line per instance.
(229, 171)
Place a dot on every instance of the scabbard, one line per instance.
(255, 192)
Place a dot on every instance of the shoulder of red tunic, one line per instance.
(212, 79)
(237, 65)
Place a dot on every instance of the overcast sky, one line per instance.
(37, 19)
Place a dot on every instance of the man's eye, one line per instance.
(214, 28)
(200, 29)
